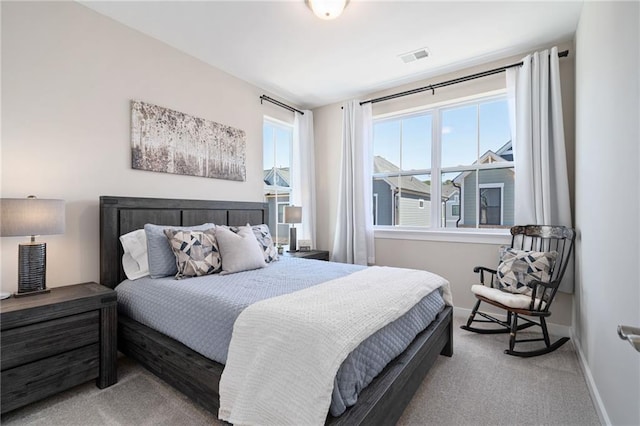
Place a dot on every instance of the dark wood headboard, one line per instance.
(119, 215)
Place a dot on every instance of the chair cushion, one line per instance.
(512, 300)
(518, 268)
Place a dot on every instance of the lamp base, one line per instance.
(32, 267)
(293, 239)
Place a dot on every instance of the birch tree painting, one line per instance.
(168, 141)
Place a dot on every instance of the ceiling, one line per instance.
(283, 48)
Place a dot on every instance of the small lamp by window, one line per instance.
(293, 215)
(30, 217)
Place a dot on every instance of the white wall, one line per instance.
(455, 261)
(607, 202)
(68, 75)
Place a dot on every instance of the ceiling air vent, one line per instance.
(415, 55)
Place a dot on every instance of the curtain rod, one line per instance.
(434, 86)
(280, 104)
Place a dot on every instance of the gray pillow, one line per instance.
(264, 239)
(162, 261)
(239, 251)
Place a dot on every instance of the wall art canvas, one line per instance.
(168, 141)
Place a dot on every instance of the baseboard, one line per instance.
(591, 384)
(554, 329)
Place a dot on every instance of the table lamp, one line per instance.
(293, 215)
(30, 217)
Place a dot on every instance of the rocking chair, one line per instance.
(530, 294)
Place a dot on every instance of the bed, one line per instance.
(382, 402)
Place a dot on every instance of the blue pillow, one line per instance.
(162, 261)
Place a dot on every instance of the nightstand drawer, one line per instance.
(31, 382)
(22, 345)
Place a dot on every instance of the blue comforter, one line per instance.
(200, 312)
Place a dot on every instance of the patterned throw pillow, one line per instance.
(518, 268)
(196, 252)
(265, 241)
(162, 262)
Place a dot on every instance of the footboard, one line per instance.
(382, 402)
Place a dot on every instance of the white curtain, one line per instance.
(542, 183)
(353, 239)
(303, 177)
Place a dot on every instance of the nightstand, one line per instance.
(54, 341)
(312, 254)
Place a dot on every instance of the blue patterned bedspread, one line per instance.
(200, 312)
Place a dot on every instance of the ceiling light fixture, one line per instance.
(327, 9)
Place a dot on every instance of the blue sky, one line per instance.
(282, 155)
(460, 143)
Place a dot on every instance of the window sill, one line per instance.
(482, 236)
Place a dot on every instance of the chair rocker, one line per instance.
(530, 309)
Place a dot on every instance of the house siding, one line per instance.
(410, 212)
(385, 214)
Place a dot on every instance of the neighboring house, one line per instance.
(277, 190)
(496, 191)
(406, 200)
(399, 200)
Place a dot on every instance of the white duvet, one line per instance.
(285, 351)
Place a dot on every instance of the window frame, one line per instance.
(435, 231)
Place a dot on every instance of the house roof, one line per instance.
(406, 183)
(502, 154)
(281, 177)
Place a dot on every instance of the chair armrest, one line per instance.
(546, 293)
(481, 270)
(545, 284)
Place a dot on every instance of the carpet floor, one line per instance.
(479, 385)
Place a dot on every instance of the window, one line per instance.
(277, 140)
(447, 166)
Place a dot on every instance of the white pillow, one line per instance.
(239, 251)
(135, 261)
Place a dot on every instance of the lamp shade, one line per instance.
(327, 9)
(31, 216)
(292, 214)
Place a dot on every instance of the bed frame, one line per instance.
(382, 402)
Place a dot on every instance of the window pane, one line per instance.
(451, 200)
(386, 146)
(268, 146)
(283, 228)
(413, 200)
(459, 136)
(495, 134)
(283, 148)
(416, 143)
